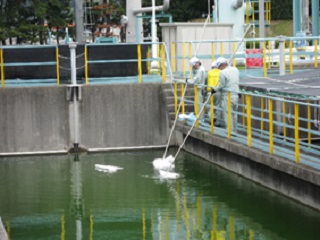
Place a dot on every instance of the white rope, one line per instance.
(175, 121)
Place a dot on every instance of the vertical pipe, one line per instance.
(243, 110)
(290, 58)
(2, 67)
(296, 132)
(231, 228)
(249, 130)
(91, 226)
(57, 66)
(173, 57)
(72, 47)
(271, 126)
(229, 115)
(235, 52)
(296, 17)
(315, 17)
(86, 67)
(78, 13)
(247, 12)
(262, 31)
(221, 48)
(282, 61)
(139, 63)
(144, 230)
(269, 52)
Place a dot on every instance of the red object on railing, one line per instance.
(256, 61)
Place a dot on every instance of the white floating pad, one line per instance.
(107, 168)
(169, 175)
(164, 163)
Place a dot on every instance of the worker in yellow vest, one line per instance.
(213, 82)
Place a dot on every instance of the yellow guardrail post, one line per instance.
(163, 64)
(184, 59)
(212, 51)
(271, 126)
(196, 104)
(309, 123)
(57, 66)
(91, 226)
(296, 132)
(249, 130)
(86, 67)
(229, 115)
(269, 52)
(182, 103)
(247, 12)
(139, 63)
(290, 57)
(148, 56)
(221, 48)
(212, 113)
(63, 228)
(173, 57)
(175, 87)
(264, 60)
(2, 67)
(284, 121)
(234, 50)
(262, 114)
(315, 53)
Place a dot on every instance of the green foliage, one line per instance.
(281, 9)
(25, 20)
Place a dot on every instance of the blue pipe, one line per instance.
(296, 16)
(315, 17)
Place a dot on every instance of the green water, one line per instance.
(57, 197)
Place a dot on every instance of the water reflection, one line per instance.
(55, 197)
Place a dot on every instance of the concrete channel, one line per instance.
(38, 120)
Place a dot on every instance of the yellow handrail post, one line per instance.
(139, 63)
(86, 68)
(175, 87)
(284, 121)
(163, 64)
(182, 103)
(2, 67)
(290, 58)
(296, 132)
(309, 123)
(173, 57)
(229, 115)
(234, 50)
(57, 66)
(264, 60)
(196, 104)
(212, 51)
(269, 51)
(221, 48)
(184, 58)
(247, 12)
(315, 53)
(262, 114)
(249, 130)
(212, 113)
(271, 126)
(148, 56)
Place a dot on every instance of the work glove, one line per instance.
(213, 91)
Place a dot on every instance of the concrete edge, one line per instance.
(275, 162)
(15, 154)
(94, 150)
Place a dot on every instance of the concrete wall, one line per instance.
(295, 181)
(123, 116)
(109, 116)
(33, 119)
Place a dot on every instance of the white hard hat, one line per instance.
(193, 61)
(214, 64)
(221, 60)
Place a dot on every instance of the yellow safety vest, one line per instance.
(213, 78)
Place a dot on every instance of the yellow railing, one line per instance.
(283, 132)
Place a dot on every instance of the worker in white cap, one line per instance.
(228, 82)
(198, 78)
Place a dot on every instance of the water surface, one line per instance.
(64, 197)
